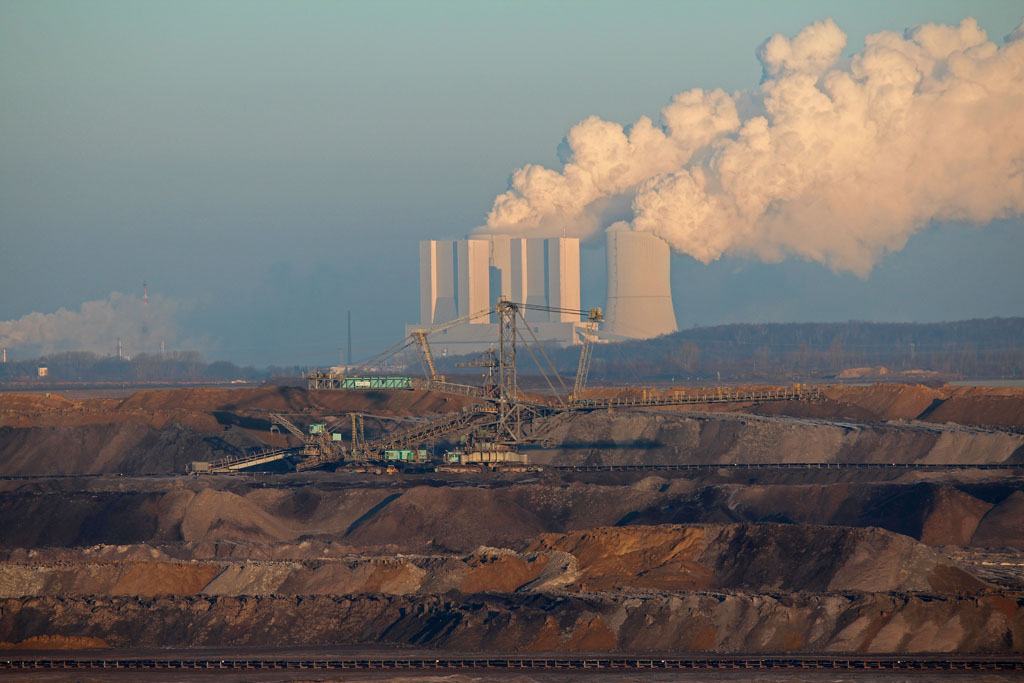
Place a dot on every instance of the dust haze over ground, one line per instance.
(756, 561)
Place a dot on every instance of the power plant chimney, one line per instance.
(639, 288)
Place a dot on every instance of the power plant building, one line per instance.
(465, 277)
(473, 276)
(563, 277)
(437, 286)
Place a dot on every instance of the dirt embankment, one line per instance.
(752, 557)
(635, 437)
(934, 513)
(766, 561)
(685, 622)
(252, 520)
(162, 431)
(998, 407)
(755, 557)
(973, 406)
(206, 408)
(620, 437)
(723, 587)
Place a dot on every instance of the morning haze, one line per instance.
(717, 307)
(267, 167)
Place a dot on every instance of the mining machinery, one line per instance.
(504, 418)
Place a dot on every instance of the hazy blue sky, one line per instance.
(273, 164)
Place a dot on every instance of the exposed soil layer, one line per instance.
(645, 437)
(235, 516)
(159, 407)
(667, 622)
(750, 557)
(878, 560)
(162, 431)
(976, 406)
(754, 557)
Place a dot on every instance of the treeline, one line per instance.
(972, 348)
(991, 347)
(177, 366)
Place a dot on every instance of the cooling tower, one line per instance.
(639, 291)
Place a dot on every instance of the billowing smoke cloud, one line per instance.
(833, 160)
(96, 327)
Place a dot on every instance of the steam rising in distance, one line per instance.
(834, 160)
(96, 327)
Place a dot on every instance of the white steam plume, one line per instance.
(842, 162)
(96, 327)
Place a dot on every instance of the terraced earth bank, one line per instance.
(879, 560)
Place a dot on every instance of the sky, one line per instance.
(267, 167)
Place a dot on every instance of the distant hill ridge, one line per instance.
(989, 347)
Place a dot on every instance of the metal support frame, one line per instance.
(506, 419)
(356, 441)
(509, 425)
(426, 357)
(589, 332)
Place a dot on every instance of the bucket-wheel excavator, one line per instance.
(501, 421)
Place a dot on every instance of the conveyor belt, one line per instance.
(791, 466)
(651, 468)
(619, 662)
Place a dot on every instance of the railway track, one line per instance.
(778, 663)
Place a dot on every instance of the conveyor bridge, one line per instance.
(241, 462)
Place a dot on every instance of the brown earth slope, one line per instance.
(235, 517)
(161, 431)
(728, 560)
(974, 406)
(750, 557)
(687, 622)
(727, 587)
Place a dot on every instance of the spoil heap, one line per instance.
(709, 560)
(724, 587)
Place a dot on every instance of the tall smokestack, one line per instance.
(145, 293)
(348, 345)
(639, 288)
